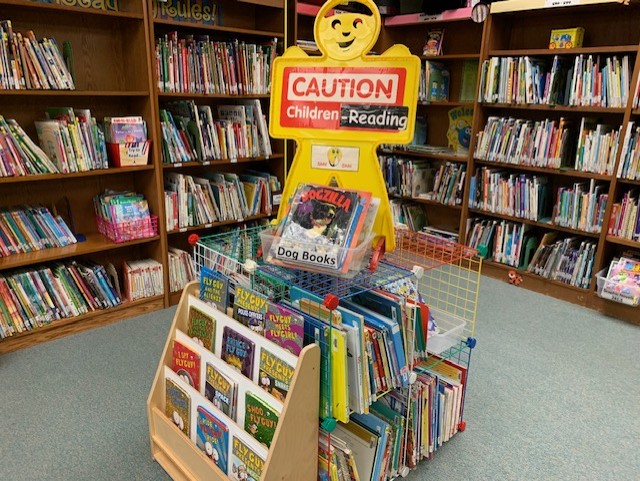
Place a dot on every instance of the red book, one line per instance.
(186, 364)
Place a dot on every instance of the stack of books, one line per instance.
(181, 269)
(581, 206)
(629, 166)
(142, 278)
(625, 217)
(19, 155)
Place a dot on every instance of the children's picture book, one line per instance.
(214, 288)
(238, 351)
(186, 364)
(178, 406)
(623, 282)
(321, 224)
(284, 327)
(260, 419)
(459, 133)
(246, 463)
(275, 375)
(202, 328)
(433, 44)
(221, 390)
(250, 308)
(212, 437)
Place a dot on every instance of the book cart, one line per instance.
(447, 275)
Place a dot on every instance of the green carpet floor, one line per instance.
(554, 394)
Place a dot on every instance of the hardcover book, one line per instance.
(284, 327)
(202, 328)
(246, 463)
(186, 364)
(213, 438)
(238, 351)
(459, 133)
(260, 419)
(250, 308)
(178, 406)
(221, 391)
(214, 288)
(275, 375)
(433, 44)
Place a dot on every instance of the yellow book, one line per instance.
(339, 376)
(323, 465)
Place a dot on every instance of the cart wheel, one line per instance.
(404, 471)
(193, 239)
(331, 302)
(376, 257)
(462, 425)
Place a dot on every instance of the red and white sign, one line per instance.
(312, 97)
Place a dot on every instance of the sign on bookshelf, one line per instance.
(195, 11)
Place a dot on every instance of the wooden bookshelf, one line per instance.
(544, 170)
(112, 78)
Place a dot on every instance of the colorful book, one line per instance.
(238, 351)
(275, 375)
(260, 419)
(246, 463)
(178, 406)
(202, 328)
(186, 364)
(433, 43)
(221, 390)
(214, 288)
(250, 308)
(284, 327)
(459, 133)
(212, 437)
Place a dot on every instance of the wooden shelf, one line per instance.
(557, 108)
(541, 52)
(174, 297)
(428, 103)
(421, 200)
(454, 56)
(623, 242)
(73, 93)
(520, 5)
(95, 243)
(73, 325)
(460, 14)
(635, 111)
(628, 181)
(530, 275)
(544, 225)
(547, 171)
(217, 224)
(80, 11)
(76, 175)
(188, 95)
(217, 28)
(413, 153)
(210, 163)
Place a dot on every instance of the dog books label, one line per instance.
(275, 374)
(260, 419)
(238, 351)
(178, 406)
(246, 464)
(212, 438)
(249, 308)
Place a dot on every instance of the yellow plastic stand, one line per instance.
(341, 105)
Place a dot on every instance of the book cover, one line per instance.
(202, 328)
(238, 351)
(221, 390)
(250, 308)
(260, 419)
(214, 288)
(284, 327)
(459, 133)
(246, 463)
(321, 221)
(178, 406)
(186, 364)
(433, 43)
(275, 375)
(212, 437)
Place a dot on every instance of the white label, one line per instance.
(183, 229)
(560, 3)
(233, 161)
(423, 17)
(334, 157)
(277, 198)
(208, 162)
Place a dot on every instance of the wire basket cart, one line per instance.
(425, 268)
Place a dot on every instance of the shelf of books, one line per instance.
(212, 85)
(377, 340)
(430, 174)
(79, 173)
(553, 146)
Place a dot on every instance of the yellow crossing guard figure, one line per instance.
(341, 105)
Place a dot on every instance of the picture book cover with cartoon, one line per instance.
(284, 327)
(260, 419)
(275, 375)
(186, 364)
(178, 406)
(238, 351)
(201, 328)
(433, 43)
(246, 464)
(221, 390)
(459, 133)
(212, 437)
(214, 288)
(250, 308)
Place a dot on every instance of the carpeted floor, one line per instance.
(554, 394)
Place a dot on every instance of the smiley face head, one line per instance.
(345, 36)
(334, 155)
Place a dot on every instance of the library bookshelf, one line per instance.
(251, 21)
(112, 78)
(609, 31)
(294, 449)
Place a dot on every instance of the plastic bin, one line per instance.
(450, 331)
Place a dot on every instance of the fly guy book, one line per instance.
(275, 375)
(246, 463)
(238, 351)
(260, 419)
(178, 406)
(249, 308)
(284, 327)
(202, 328)
(212, 437)
(221, 391)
